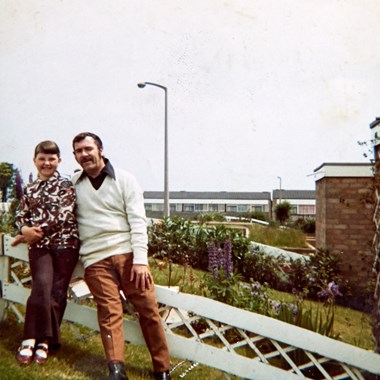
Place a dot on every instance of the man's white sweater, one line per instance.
(112, 219)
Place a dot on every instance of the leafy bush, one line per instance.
(210, 216)
(181, 241)
(310, 277)
(282, 211)
(265, 269)
(7, 219)
(307, 225)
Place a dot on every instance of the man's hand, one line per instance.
(32, 234)
(17, 240)
(141, 275)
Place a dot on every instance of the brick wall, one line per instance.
(344, 225)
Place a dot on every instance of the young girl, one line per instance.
(46, 220)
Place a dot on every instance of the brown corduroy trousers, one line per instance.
(105, 279)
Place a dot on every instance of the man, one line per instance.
(113, 235)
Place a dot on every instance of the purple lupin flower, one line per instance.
(331, 291)
(213, 262)
(18, 185)
(334, 289)
(228, 265)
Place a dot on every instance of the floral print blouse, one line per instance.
(50, 204)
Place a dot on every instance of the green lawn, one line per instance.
(277, 237)
(81, 358)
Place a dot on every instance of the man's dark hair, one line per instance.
(47, 147)
(81, 136)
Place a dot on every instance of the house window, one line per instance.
(188, 207)
(148, 207)
(200, 207)
(178, 207)
(306, 209)
(213, 207)
(221, 207)
(257, 208)
(231, 208)
(157, 207)
(243, 208)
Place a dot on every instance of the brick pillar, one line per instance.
(344, 226)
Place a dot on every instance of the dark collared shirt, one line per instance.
(97, 181)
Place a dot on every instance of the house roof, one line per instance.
(343, 164)
(294, 194)
(265, 195)
(345, 169)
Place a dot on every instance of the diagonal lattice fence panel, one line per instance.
(204, 331)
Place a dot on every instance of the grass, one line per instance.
(81, 358)
(277, 237)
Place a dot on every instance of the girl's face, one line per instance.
(46, 164)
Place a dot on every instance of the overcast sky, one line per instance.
(257, 89)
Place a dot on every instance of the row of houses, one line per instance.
(187, 203)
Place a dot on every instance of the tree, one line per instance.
(282, 211)
(6, 174)
(11, 183)
(18, 185)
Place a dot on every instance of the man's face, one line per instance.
(89, 156)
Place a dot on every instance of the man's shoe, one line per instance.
(117, 371)
(162, 375)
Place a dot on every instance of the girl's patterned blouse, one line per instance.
(50, 204)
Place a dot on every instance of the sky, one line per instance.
(260, 92)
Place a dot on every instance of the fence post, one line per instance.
(4, 278)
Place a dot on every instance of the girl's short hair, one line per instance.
(47, 147)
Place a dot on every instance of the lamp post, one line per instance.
(166, 166)
(280, 189)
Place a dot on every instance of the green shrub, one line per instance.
(7, 219)
(307, 225)
(181, 241)
(209, 217)
(257, 266)
(310, 277)
(282, 211)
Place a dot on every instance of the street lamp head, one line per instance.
(141, 85)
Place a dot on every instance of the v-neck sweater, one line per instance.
(111, 219)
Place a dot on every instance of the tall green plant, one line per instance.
(319, 319)
(282, 211)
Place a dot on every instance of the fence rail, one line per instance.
(238, 342)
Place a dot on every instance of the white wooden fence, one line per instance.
(204, 331)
